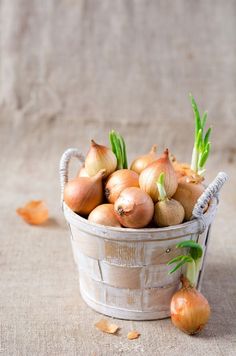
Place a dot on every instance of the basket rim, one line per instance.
(193, 226)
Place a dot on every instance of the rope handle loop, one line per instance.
(211, 191)
(64, 166)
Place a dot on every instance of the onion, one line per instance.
(83, 194)
(134, 208)
(149, 176)
(105, 215)
(100, 157)
(168, 212)
(140, 163)
(118, 181)
(187, 194)
(190, 310)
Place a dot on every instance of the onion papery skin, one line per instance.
(187, 194)
(140, 163)
(190, 310)
(104, 214)
(184, 170)
(118, 181)
(134, 208)
(168, 213)
(100, 157)
(83, 194)
(181, 169)
(149, 176)
(82, 172)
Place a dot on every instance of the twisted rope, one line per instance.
(211, 191)
(64, 166)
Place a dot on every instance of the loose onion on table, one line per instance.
(104, 214)
(100, 157)
(83, 194)
(190, 310)
(35, 212)
(118, 181)
(134, 208)
(149, 177)
(140, 163)
(167, 212)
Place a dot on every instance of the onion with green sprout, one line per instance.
(190, 186)
(167, 211)
(190, 310)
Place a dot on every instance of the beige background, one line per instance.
(71, 70)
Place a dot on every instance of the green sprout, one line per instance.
(192, 259)
(202, 145)
(119, 149)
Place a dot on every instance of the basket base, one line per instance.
(123, 313)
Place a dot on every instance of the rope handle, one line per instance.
(211, 191)
(64, 166)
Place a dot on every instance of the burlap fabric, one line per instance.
(70, 70)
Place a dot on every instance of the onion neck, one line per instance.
(192, 271)
(153, 149)
(185, 282)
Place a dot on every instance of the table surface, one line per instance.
(41, 311)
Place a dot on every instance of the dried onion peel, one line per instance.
(35, 212)
(133, 335)
(106, 327)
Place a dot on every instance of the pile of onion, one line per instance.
(132, 193)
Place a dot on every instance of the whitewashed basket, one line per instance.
(123, 272)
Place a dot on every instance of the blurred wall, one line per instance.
(71, 70)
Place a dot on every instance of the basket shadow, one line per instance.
(51, 223)
(219, 288)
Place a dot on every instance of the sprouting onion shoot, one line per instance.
(192, 260)
(161, 187)
(119, 149)
(202, 145)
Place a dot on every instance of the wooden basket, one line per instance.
(123, 272)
